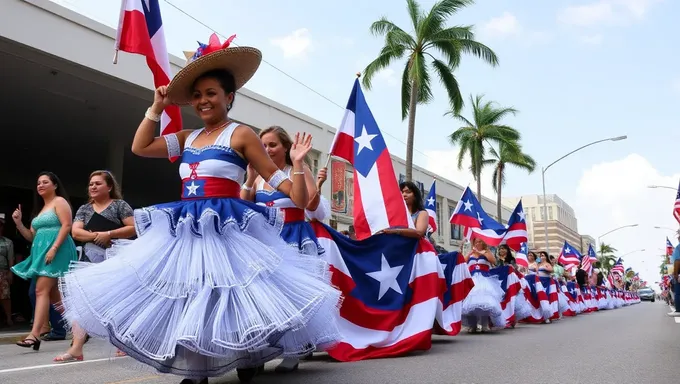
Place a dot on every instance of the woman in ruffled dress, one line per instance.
(414, 202)
(52, 249)
(484, 300)
(209, 286)
(297, 232)
(105, 217)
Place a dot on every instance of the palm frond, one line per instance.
(419, 73)
(386, 57)
(439, 13)
(414, 12)
(478, 49)
(450, 84)
(382, 26)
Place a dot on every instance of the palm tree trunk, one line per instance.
(479, 186)
(499, 185)
(411, 130)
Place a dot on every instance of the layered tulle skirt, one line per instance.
(208, 286)
(484, 299)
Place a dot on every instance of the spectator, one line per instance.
(6, 262)
(675, 260)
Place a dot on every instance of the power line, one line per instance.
(286, 74)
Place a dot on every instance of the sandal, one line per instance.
(29, 342)
(67, 358)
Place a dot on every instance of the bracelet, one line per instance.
(276, 179)
(152, 116)
(299, 173)
(109, 233)
(243, 187)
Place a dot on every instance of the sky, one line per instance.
(577, 71)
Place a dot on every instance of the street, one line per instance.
(637, 344)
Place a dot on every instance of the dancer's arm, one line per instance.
(146, 143)
(248, 188)
(315, 198)
(420, 230)
(64, 214)
(246, 141)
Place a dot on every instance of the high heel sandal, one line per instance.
(30, 343)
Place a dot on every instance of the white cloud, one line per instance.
(606, 12)
(507, 26)
(295, 45)
(444, 163)
(595, 39)
(389, 76)
(614, 194)
(676, 84)
(502, 26)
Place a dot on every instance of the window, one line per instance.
(315, 167)
(439, 219)
(550, 213)
(456, 230)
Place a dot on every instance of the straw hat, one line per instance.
(241, 62)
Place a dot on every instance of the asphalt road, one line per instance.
(637, 344)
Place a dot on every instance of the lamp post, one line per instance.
(661, 186)
(670, 229)
(599, 238)
(544, 169)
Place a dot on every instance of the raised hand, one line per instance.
(301, 147)
(160, 97)
(16, 215)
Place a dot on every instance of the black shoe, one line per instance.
(246, 375)
(289, 364)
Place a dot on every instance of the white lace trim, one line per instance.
(172, 142)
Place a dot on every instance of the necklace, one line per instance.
(208, 132)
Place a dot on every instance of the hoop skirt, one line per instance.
(208, 286)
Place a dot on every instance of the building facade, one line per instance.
(84, 110)
(560, 218)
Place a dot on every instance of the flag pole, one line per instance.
(328, 160)
(121, 18)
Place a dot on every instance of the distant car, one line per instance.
(647, 294)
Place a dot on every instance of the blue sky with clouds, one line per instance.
(577, 70)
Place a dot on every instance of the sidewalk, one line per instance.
(10, 335)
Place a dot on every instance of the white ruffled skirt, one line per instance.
(484, 299)
(208, 286)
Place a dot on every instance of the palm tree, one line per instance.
(484, 129)
(606, 256)
(508, 153)
(429, 35)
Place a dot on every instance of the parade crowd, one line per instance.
(242, 269)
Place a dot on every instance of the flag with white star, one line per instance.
(521, 255)
(378, 203)
(431, 208)
(570, 257)
(517, 228)
(394, 289)
(479, 224)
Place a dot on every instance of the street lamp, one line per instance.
(660, 186)
(544, 169)
(670, 229)
(599, 241)
(637, 250)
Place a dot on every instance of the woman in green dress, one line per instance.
(52, 249)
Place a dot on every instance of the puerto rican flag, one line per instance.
(570, 257)
(517, 228)
(431, 208)
(393, 292)
(669, 247)
(521, 256)
(378, 203)
(618, 267)
(140, 31)
(676, 206)
(479, 224)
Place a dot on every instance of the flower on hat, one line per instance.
(213, 45)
